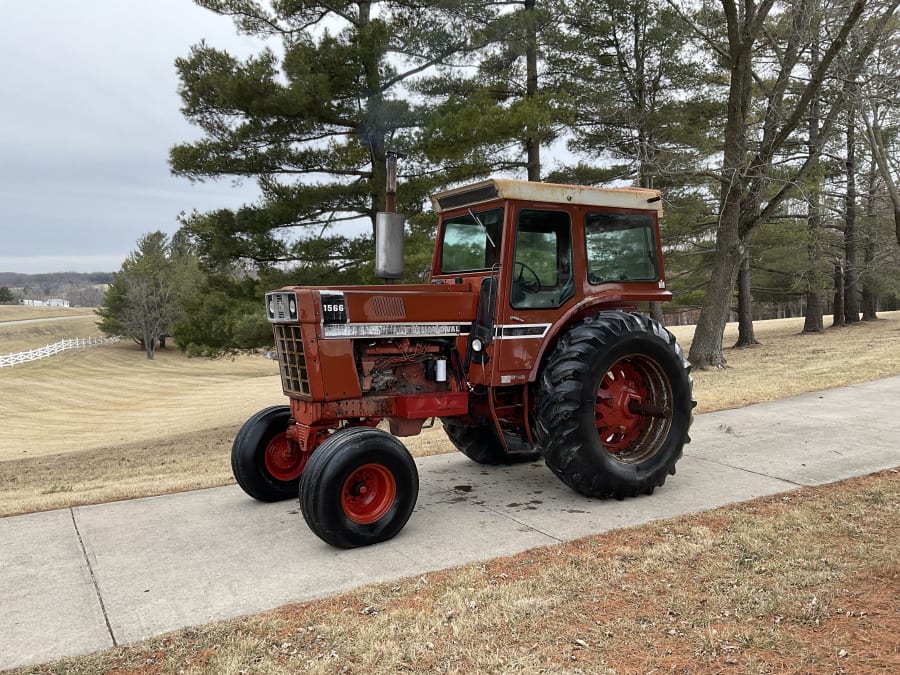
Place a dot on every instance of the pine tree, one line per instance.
(140, 303)
(310, 118)
(513, 106)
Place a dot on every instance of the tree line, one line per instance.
(79, 288)
(771, 128)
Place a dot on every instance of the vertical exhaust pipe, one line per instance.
(389, 226)
(390, 200)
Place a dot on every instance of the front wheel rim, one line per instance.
(284, 460)
(633, 409)
(368, 493)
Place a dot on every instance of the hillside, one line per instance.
(82, 289)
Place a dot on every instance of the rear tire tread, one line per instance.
(481, 444)
(568, 451)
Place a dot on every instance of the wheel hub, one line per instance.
(368, 494)
(284, 459)
(621, 390)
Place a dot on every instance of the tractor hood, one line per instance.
(414, 310)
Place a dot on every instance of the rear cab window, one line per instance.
(620, 247)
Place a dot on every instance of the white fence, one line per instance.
(55, 348)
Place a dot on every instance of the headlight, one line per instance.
(281, 307)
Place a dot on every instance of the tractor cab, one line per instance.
(544, 255)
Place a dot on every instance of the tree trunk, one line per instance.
(746, 338)
(838, 319)
(706, 347)
(869, 292)
(851, 303)
(814, 321)
(815, 285)
(532, 140)
(150, 348)
(372, 131)
(656, 312)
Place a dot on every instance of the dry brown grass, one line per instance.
(26, 333)
(23, 312)
(789, 362)
(104, 423)
(800, 583)
(101, 424)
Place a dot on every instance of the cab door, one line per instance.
(535, 293)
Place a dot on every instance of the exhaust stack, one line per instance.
(389, 234)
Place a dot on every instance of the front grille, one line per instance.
(289, 344)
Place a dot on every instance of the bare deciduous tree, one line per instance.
(141, 301)
(879, 109)
(750, 194)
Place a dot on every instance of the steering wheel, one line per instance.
(528, 286)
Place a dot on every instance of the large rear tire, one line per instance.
(614, 406)
(264, 463)
(482, 444)
(359, 488)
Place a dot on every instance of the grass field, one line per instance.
(23, 312)
(801, 583)
(64, 323)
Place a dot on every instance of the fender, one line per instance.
(611, 298)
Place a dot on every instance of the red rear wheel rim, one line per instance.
(368, 493)
(284, 460)
(631, 384)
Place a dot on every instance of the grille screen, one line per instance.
(388, 307)
(288, 343)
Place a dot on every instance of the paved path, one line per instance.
(79, 580)
(44, 319)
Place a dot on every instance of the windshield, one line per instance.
(469, 244)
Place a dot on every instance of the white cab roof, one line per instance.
(498, 188)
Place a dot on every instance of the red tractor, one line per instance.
(525, 344)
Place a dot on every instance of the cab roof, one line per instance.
(500, 188)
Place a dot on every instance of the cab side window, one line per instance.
(620, 247)
(542, 271)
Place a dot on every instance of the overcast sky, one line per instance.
(88, 111)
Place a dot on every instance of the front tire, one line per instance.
(614, 406)
(482, 444)
(264, 462)
(359, 488)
